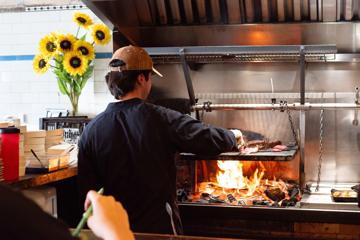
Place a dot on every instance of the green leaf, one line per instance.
(83, 37)
(77, 84)
(77, 89)
(62, 87)
(86, 76)
(63, 75)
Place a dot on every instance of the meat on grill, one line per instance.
(256, 145)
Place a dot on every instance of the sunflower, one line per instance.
(47, 45)
(82, 19)
(65, 43)
(75, 63)
(40, 64)
(86, 49)
(100, 34)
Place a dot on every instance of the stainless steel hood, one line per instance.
(164, 23)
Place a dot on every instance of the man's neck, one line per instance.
(132, 95)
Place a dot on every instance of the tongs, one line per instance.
(356, 188)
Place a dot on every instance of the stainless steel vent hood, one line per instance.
(164, 23)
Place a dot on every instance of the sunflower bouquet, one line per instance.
(71, 56)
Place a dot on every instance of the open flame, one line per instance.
(233, 187)
(231, 176)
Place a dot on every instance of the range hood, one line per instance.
(166, 23)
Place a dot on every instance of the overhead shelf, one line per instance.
(259, 156)
(223, 54)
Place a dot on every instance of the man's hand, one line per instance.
(109, 219)
(239, 138)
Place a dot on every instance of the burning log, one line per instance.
(294, 192)
(288, 203)
(215, 200)
(234, 187)
(275, 194)
(261, 203)
(231, 198)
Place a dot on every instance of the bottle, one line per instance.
(10, 152)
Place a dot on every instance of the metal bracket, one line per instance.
(207, 106)
(357, 95)
(186, 70)
(355, 121)
(273, 102)
(283, 105)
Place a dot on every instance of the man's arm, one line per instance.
(191, 135)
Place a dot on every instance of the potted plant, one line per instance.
(71, 57)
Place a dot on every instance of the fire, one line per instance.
(231, 176)
(233, 187)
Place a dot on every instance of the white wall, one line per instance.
(24, 92)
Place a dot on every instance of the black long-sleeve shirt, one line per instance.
(20, 218)
(130, 148)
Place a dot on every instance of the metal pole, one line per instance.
(302, 75)
(302, 149)
(302, 119)
(187, 77)
(276, 106)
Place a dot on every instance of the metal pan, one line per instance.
(343, 195)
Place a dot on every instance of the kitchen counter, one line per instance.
(34, 180)
(147, 236)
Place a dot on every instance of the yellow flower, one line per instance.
(47, 45)
(82, 19)
(40, 64)
(65, 43)
(86, 49)
(100, 34)
(75, 63)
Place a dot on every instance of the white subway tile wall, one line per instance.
(27, 95)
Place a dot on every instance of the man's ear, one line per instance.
(141, 79)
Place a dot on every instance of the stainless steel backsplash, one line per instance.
(250, 83)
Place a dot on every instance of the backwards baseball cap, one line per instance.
(132, 58)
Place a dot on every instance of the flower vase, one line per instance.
(74, 99)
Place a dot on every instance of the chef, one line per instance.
(129, 149)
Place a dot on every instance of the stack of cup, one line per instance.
(54, 137)
(22, 162)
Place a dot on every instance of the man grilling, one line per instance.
(129, 149)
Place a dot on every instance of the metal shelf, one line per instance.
(237, 54)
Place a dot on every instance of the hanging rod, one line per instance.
(208, 106)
